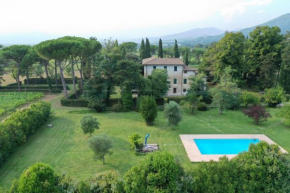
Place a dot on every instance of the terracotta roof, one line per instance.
(189, 68)
(163, 61)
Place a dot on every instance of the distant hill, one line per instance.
(283, 22)
(194, 33)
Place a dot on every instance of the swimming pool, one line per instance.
(224, 146)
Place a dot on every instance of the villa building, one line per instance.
(178, 73)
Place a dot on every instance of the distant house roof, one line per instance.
(189, 68)
(163, 61)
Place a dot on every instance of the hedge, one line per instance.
(14, 84)
(15, 130)
(44, 81)
(175, 98)
(72, 101)
(33, 90)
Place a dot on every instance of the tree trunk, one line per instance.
(220, 111)
(55, 73)
(82, 76)
(46, 73)
(27, 77)
(17, 76)
(103, 159)
(74, 78)
(63, 81)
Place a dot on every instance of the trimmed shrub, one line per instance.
(39, 177)
(250, 99)
(158, 173)
(148, 109)
(173, 113)
(201, 106)
(16, 128)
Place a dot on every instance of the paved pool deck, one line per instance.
(194, 154)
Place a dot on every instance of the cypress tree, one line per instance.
(186, 57)
(142, 50)
(116, 44)
(176, 52)
(160, 49)
(147, 48)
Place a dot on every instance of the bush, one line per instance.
(110, 182)
(148, 109)
(135, 141)
(118, 107)
(274, 96)
(201, 106)
(250, 99)
(38, 178)
(173, 113)
(176, 99)
(258, 113)
(16, 128)
(101, 145)
(158, 173)
(89, 124)
(285, 113)
(127, 100)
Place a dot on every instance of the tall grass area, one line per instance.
(65, 147)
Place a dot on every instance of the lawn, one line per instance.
(65, 147)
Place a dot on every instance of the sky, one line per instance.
(129, 19)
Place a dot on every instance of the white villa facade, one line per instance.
(178, 73)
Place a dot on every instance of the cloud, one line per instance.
(240, 7)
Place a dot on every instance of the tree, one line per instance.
(263, 52)
(285, 113)
(27, 62)
(160, 49)
(61, 51)
(97, 91)
(285, 68)
(148, 108)
(264, 168)
(226, 94)
(197, 91)
(176, 52)
(186, 57)
(2, 69)
(159, 83)
(258, 113)
(89, 124)
(142, 50)
(39, 178)
(274, 96)
(249, 98)
(173, 113)
(16, 53)
(158, 173)
(228, 52)
(101, 146)
(147, 49)
(130, 47)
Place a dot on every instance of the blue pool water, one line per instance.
(224, 146)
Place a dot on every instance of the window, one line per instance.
(154, 67)
(184, 81)
(174, 90)
(175, 81)
(175, 68)
(185, 71)
(165, 67)
(184, 90)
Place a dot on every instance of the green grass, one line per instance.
(66, 149)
